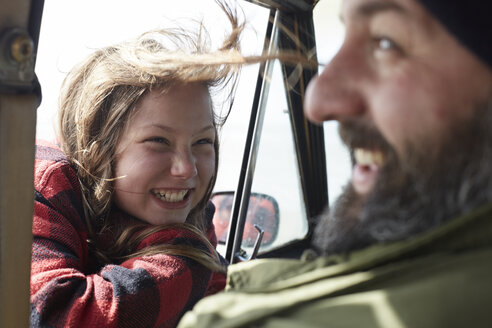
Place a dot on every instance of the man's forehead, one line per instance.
(367, 8)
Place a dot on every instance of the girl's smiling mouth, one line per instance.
(172, 195)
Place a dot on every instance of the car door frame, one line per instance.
(290, 29)
(20, 95)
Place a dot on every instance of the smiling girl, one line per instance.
(122, 229)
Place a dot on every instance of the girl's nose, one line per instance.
(183, 165)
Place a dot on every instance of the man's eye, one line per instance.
(386, 44)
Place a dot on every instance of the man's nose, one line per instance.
(335, 94)
(183, 164)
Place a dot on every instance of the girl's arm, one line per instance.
(141, 292)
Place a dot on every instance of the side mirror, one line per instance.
(262, 211)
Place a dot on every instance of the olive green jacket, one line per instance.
(442, 278)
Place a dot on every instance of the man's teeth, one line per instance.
(171, 196)
(368, 157)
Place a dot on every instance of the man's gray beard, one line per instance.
(415, 196)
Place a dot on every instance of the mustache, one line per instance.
(356, 134)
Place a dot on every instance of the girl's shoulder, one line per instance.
(52, 167)
(49, 150)
(56, 184)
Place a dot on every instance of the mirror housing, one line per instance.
(262, 211)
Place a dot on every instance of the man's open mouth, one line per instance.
(368, 157)
(366, 169)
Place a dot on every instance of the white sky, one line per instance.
(72, 29)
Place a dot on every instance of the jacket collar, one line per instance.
(469, 231)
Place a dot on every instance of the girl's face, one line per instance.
(165, 158)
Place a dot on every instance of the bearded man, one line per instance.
(409, 242)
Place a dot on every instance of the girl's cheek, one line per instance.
(206, 162)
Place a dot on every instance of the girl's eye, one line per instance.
(205, 141)
(158, 140)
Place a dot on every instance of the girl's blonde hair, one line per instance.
(97, 101)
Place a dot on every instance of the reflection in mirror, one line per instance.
(262, 211)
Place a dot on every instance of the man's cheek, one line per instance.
(395, 119)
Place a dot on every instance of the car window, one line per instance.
(276, 172)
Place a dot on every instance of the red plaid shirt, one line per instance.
(66, 290)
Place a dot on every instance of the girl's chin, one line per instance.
(168, 219)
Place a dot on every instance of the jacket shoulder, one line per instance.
(52, 167)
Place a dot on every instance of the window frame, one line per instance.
(308, 138)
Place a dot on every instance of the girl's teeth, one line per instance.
(172, 197)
